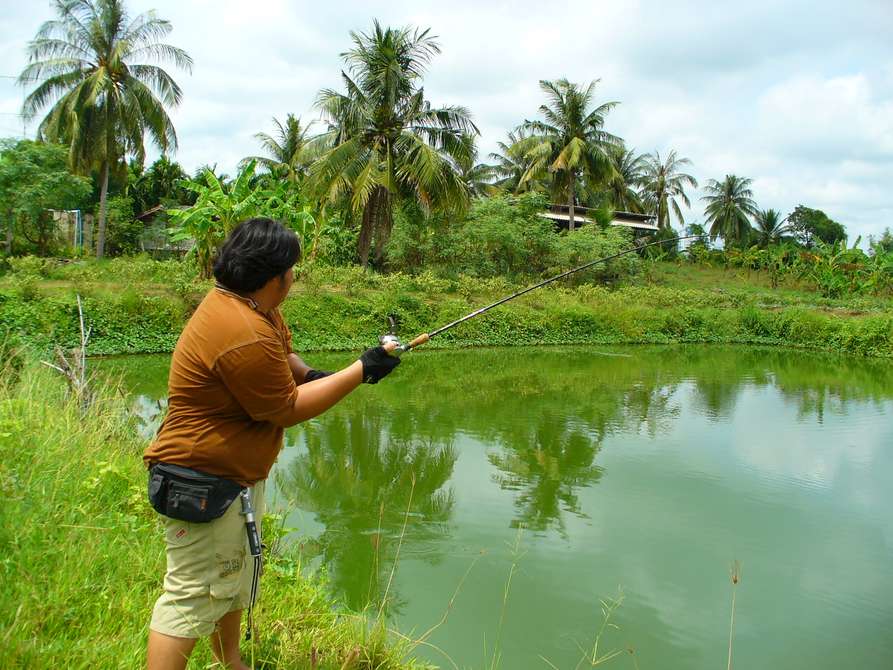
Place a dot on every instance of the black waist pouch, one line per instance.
(189, 495)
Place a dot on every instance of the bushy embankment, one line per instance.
(338, 308)
(83, 551)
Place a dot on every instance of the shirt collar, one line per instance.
(248, 301)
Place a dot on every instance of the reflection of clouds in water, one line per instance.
(804, 453)
(828, 562)
(845, 459)
(149, 413)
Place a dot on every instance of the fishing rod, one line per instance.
(391, 336)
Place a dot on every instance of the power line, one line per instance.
(15, 76)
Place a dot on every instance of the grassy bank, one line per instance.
(83, 551)
(143, 310)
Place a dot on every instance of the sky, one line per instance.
(796, 95)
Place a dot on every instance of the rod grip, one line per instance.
(421, 339)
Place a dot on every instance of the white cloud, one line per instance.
(827, 119)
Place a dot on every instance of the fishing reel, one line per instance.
(391, 336)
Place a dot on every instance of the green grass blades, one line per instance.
(83, 552)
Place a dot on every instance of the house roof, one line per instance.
(626, 219)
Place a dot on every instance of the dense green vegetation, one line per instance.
(63, 606)
(346, 308)
(34, 178)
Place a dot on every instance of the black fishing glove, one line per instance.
(313, 375)
(377, 364)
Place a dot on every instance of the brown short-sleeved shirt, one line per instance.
(230, 392)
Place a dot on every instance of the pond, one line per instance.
(528, 485)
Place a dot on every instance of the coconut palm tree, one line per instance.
(729, 204)
(623, 186)
(478, 177)
(663, 184)
(770, 228)
(103, 98)
(570, 143)
(384, 141)
(287, 149)
(510, 164)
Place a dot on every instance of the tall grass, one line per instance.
(83, 552)
(735, 577)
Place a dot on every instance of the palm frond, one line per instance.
(100, 102)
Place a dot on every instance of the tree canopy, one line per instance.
(730, 205)
(34, 178)
(813, 225)
(288, 154)
(770, 227)
(663, 182)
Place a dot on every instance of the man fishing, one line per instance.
(235, 384)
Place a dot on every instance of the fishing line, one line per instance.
(425, 337)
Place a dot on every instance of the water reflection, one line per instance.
(149, 413)
(547, 470)
(372, 488)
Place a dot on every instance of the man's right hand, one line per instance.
(378, 363)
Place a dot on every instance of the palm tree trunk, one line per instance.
(103, 206)
(385, 224)
(570, 205)
(366, 228)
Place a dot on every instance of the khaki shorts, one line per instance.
(209, 569)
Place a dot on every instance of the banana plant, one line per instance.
(217, 209)
(220, 206)
(838, 270)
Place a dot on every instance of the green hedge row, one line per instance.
(327, 318)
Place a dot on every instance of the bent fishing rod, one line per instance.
(391, 336)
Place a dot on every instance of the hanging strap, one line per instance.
(255, 549)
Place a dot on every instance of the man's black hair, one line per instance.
(256, 251)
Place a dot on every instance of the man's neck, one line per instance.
(257, 300)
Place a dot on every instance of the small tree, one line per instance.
(34, 179)
(160, 184)
(663, 186)
(730, 204)
(813, 225)
(288, 155)
(770, 228)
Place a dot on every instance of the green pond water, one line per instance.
(645, 469)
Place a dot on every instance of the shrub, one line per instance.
(590, 243)
(31, 266)
(124, 230)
